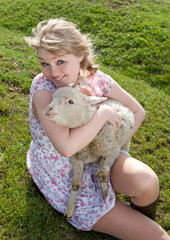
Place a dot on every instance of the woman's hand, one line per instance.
(112, 115)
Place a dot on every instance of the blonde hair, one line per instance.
(60, 37)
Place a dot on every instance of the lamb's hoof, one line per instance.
(102, 176)
(104, 195)
(104, 186)
(67, 218)
(69, 210)
(68, 214)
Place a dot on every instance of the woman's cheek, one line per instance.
(45, 71)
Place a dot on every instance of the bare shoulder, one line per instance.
(118, 93)
(121, 95)
(41, 99)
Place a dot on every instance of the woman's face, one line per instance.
(60, 70)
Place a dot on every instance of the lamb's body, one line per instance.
(75, 109)
(107, 143)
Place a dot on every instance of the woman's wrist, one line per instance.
(105, 112)
(110, 115)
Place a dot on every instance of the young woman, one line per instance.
(66, 56)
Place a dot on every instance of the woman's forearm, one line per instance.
(80, 137)
(139, 117)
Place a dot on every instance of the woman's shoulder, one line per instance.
(104, 81)
(101, 75)
(41, 82)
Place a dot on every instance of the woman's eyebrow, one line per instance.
(40, 57)
(44, 59)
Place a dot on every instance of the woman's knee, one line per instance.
(134, 178)
(147, 185)
(149, 180)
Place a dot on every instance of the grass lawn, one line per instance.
(131, 41)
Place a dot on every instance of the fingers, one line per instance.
(118, 120)
(113, 116)
(115, 127)
(117, 123)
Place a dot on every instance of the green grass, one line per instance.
(131, 40)
(125, 33)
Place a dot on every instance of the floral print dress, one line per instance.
(52, 173)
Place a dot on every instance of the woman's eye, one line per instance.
(60, 62)
(44, 64)
(71, 101)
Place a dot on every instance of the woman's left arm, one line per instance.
(119, 94)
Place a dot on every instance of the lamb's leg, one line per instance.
(78, 167)
(103, 172)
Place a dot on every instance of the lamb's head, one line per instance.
(71, 108)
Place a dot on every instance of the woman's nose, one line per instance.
(54, 71)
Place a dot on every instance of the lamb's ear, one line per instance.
(92, 100)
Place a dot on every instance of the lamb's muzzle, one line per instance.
(49, 112)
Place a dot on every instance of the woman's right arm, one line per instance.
(69, 141)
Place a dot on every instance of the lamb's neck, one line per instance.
(81, 119)
(90, 114)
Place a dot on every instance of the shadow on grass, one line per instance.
(42, 222)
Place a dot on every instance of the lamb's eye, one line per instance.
(71, 101)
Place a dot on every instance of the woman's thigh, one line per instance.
(135, 179)
(125, 223)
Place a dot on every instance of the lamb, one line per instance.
(71, 108)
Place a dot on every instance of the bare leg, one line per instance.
(134, 179)
(125, 223)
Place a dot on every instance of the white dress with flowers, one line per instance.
(52, 173)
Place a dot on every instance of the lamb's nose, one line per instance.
(49, 108)
(47, 111)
